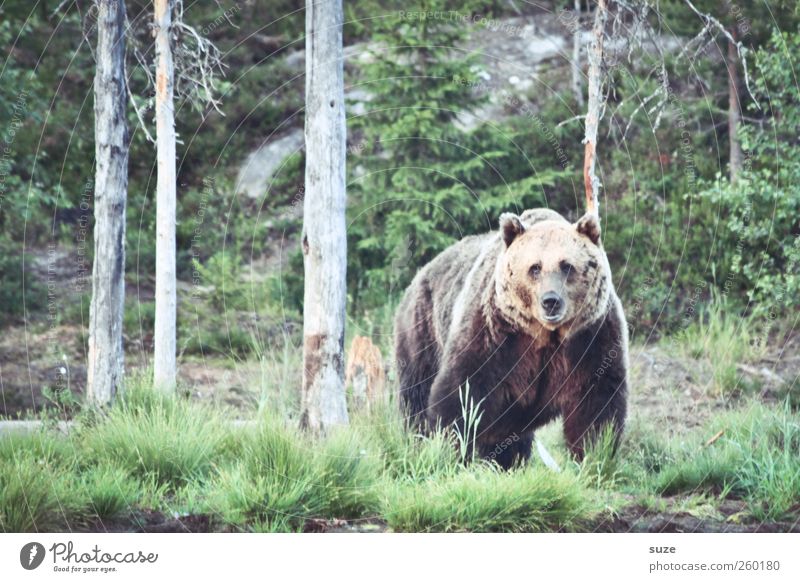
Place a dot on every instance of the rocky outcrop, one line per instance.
(261, 164)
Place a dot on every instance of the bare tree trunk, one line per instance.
(324, 237)
(577, 84)
(106, 355)
(595, 58)
(164, 364)
(734, 114)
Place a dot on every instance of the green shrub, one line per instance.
(421, 180)
(757, 234)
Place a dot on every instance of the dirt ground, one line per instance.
(33, 360)
(634, 519)
(664, 387)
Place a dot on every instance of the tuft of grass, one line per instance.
(282, 478)
(480, 499)
(349, 472)
(150, 434)
(28, 499)
(46, 447)
(406, 455)
(109, 491)
(769, 476)
(710, 469)
(601, 465)
(35, 492)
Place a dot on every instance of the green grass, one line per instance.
(406, 456)
(156, 436)
(45, 486)
(601, 466)
(176, 456)
(34, 484)
(482, 499)
(109, 491)
(281, 478)
(757, 459)
(719, 340)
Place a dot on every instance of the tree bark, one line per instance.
(324, 238)
(736, 157)
(106, 355)
(577, 83)
(595, 59)
(164, 362)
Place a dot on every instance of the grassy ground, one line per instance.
(708, 447)
(179, 459)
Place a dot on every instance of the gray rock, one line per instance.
(261, 164)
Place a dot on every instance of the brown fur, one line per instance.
(365, 373)
(475, 313)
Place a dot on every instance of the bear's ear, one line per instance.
(511, 227)
(589, 225)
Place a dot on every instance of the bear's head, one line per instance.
(551, 273)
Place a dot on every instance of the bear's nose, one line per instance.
(552, 304)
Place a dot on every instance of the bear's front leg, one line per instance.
(603, 375)
(587, 414)
(444, 402)
(465, 360)
(509, 452)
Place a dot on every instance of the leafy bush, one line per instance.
(758, 232)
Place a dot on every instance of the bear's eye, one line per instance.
(536, 270)
(566, 268)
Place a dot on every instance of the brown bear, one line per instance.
(529, 317)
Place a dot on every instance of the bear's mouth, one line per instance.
(554, 317)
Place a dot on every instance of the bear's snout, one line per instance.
(553, 306)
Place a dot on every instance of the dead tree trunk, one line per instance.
(577, 84)
(324, 238)
(736, 157)
(164, 363)
(595, 103)
(106, 355)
